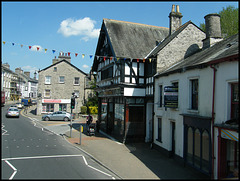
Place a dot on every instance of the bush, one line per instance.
(84, 110)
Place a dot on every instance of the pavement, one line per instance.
(127, 161)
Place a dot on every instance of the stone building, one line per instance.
(57, 82)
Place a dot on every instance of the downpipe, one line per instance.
(213, 117)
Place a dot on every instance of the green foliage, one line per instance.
(229, 21)
(84, 110)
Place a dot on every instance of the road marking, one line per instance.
(6, 160)
(5, 131)
(14, 169)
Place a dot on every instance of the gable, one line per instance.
(65, 63)
(127, 40)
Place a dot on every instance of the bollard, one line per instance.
(80, 130)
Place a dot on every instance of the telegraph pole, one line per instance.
(72, 107)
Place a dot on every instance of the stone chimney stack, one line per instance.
(19, 70)
(27, 74)
(35, 75)
(175, 19)
(213, 30)
(62, 57)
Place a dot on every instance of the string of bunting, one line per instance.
(103, 58)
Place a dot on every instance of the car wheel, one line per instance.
(66, 119)
(46, 119)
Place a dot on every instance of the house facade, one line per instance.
(57, 82)
(18, 84)
(122, 75)
(186, 95)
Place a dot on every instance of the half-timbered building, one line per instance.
(122, 76)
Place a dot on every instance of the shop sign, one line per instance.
(56, 101)
(231, 135)
(171, 96)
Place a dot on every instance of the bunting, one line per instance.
(103, 58)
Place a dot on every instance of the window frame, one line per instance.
(48, 79)
(74, 81)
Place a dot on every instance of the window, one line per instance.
(55, 69)
(194, 94)
(76, 81)
(108, 73)
(234, 101)
(63, 107)
(61, 79)
(47, 93)
(159, 138)
(47, 79)
(48, 108)
(160, 95)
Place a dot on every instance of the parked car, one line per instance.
(12, 112)
(13, 106)
(58, 115)
(34, 102)
(19, 105)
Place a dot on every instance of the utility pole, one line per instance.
(72, 107)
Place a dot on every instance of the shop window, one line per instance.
(197, 148)
(205, 151)
(48, 108)
(190, 146)
(63, 107)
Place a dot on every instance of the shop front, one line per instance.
(123, 117)
(228, 151)
(52, 105)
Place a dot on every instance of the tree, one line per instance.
(229, 21)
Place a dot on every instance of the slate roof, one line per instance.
(131, 40)
(168, 39)
(67, 63)
(222, 49)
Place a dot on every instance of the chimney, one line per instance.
(175, 19)
(213, 30)
(27, 74)
(19, 70)
(35, 75)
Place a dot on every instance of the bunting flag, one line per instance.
(98, 57)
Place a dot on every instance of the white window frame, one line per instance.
(45, 93)
(60, 80)
(48, 79)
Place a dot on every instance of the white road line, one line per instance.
(14, 169)
(53, 156)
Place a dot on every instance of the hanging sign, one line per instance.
(171, 96)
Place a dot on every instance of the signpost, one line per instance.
(171, 97)
(72, 107)
(81, 130)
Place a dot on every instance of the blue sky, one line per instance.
(74, 27)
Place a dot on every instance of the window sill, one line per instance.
(193, 111)
(160, 141)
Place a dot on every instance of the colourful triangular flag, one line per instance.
(4, 42)
(83, 55)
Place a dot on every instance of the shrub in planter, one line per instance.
(84, 110)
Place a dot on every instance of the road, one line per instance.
(31, 152)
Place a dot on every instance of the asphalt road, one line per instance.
(31, 152)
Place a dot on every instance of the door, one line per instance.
(173, 137)
(110, 118)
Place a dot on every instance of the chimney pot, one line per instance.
(173, 8)
(178, 9)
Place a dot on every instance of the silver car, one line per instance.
(59, 115)
(12, 112)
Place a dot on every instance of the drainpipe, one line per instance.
(213, 116)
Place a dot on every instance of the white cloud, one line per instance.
(81, 27)
(85, 66)
(36, 48)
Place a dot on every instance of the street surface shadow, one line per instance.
(161, 165)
